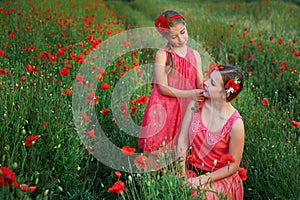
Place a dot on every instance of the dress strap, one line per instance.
(228, 125)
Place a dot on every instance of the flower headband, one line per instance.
(232, 85)
(162, 23)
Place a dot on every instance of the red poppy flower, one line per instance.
(124, 107)
(195, 194)
(23, 187)
(64, 72)
(1, 52)
(226, 158)
(31, 188)
(80, 79)
(104, 111)
(142, 162)
(5, 71)
(242, 173)
(44, 124)
(90, 133)
(7, 177)
(161, 24)
(31, 140)
(133, 109)
(265, 101)
(271, 38)
(191, 159)
(90, 96)
(136, 63)
(294, 123)
(128, 151)
(104, 86)
(85, 117)
(22, 78)
(67, 92)
(232, 86)
(117, 188)
(292, 70)
(142, 100)
(134, 53)
(32, 68)
(118, 174)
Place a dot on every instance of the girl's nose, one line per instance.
(180, 38)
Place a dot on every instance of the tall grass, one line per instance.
(42, 40)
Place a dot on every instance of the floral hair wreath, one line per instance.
(232, 85)
(162, 23)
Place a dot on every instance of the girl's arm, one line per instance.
(199, 80)
(236, 146)
(183, 138)
(162, 80)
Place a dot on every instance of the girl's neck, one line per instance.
(224, 108)
(182, 51)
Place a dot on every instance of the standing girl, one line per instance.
(178, 74)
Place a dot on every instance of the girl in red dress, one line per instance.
(178, 74)
(214, 137)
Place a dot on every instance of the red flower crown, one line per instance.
(162, 23)
(232, 85)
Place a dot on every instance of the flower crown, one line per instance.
(162, 23)
(232, 85)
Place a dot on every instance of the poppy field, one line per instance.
(74, 84)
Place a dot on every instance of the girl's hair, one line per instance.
(171, 23)
(229, 72)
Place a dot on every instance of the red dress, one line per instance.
(163, 115)
(208, 146)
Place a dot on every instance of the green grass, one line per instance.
(53, 34)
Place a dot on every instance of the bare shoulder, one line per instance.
(238, 128)
(161, 52)
(197, 54)
(160, 56)
(198, 58)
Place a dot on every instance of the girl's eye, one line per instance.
(212, 82)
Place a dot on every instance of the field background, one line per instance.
(44, 43)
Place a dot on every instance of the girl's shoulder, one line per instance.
(163, 48)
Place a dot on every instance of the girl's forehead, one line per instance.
(216, 75)
(177, 28)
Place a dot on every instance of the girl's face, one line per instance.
(214, 86)
(178, 35)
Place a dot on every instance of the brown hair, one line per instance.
(171, 23)
(229, 72)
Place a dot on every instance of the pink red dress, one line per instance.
(163, 115)
(211, 146)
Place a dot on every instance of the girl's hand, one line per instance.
(194, 182)
(198, 95)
